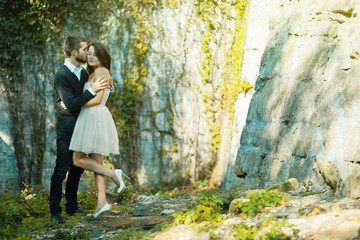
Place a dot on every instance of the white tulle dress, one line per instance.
(95, 130)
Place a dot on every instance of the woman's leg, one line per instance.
(90, 164)
(100, 181)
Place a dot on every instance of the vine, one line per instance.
(219, 94)
(21, 29)
(31, 29)
(126, 103)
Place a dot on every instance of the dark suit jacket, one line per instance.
(70, 90)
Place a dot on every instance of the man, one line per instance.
(69, 82)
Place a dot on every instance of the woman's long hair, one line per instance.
(103, 54)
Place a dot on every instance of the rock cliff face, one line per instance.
(303, 119)
(8, 164)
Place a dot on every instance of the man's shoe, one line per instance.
(57, 218)
(79, 211)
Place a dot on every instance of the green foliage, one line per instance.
(68, 235)
(257, 201)
(219, 94)
(21, 214)
(207, 207)
(268, 229)
(275, 230)
(168, 193)
(34, 224)
(19, 25)
(18, 209)
(129, 193)
(132, 234)
(29, 203)
(123, 208)
(88, 199)
(244, 232)
(10, 232)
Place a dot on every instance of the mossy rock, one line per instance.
(291, 184)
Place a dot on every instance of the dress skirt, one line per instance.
(95, 132)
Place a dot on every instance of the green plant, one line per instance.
(268, 229)
(129, 193)
(244, 232)
(275, 230)
(16, 211)
(123, 208)
(304, 194)
(88, 199)
(257, 200)
(33, 224)
(27, 212)
(164, 191)
(131, 234)
(69, 235)
(10, 232)
(207, 207)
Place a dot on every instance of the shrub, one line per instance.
(67, 235)
(207, 207)
(18, 209)
(268, 229)
(257, 201)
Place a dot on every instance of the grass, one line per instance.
(27, 214)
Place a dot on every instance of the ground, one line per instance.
(314, 216)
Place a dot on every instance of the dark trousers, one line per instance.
(64, 164)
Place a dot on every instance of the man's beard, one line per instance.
(81, 60)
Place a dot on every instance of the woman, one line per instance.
(95, 133)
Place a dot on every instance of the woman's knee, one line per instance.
(97, 157)
(77, 156)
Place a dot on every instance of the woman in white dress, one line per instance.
(95, 134)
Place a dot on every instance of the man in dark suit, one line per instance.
(69, 83)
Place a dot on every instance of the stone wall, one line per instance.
(303, 117)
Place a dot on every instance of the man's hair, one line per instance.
(72, 42)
